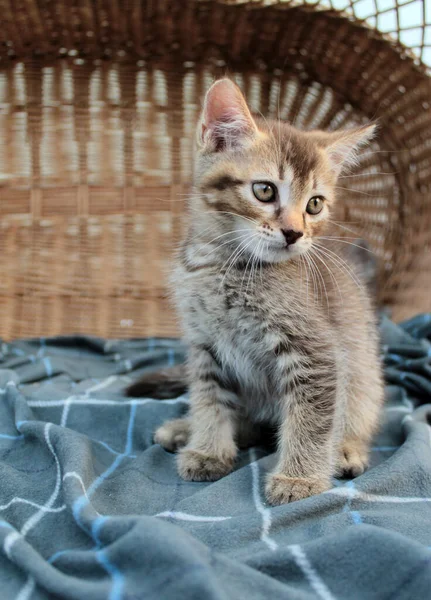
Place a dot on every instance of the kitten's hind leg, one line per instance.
(173, 435)
(352, 457)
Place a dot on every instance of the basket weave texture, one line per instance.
(98, 105)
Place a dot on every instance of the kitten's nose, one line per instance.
(291, 236)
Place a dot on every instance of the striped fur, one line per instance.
(279, 336)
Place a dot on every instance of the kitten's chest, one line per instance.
(244, 327)
(225, 307)
(233, 322)
(246, 364)
(232, 308)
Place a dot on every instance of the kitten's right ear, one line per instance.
(226, 121)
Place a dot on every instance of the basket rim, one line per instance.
(329, 11)
(11, 56)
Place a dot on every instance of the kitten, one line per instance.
(280, 328)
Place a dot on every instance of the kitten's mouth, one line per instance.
(279, 251)
(284, 249)
(281, 246)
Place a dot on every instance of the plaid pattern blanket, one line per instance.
(91, 508)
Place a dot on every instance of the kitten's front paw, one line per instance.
(281, 489)
(195, 466)
(352, 461)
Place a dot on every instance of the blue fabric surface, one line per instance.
(91, 508)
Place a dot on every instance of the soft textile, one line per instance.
(92, 509)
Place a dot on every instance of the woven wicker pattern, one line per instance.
(97, 114)
(405, 21)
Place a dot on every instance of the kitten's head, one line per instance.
(266, 186)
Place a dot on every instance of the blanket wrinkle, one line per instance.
(91, 508)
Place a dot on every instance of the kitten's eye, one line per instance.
(265, 192)
(315, 205)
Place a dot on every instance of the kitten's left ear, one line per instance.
(342, 146)
(226, 121)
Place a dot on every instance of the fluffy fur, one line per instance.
(279, 334)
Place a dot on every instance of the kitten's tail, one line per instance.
(163, 384)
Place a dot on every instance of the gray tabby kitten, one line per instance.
(280, 329)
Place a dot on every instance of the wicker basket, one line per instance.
(98, 106)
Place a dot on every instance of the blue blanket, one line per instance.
(91, 508)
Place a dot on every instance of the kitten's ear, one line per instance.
(342, 146)
(226, 121)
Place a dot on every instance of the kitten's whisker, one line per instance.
(318, 288)
(316, 270)
(199, 233)
(316, 252)
(223, 235)
(337, 237)
(318, 298)
(344, 241)
(240, 237)
(233, 232)
(309, 275)
(266, 250)
(307, 283)
(245, 270)
(230, 261)
(341, 226)
(363, 175)
(352, 190)
(313, 278)
(343, 222)
(254, 255)
(319, 274)
(226, 212)
(300, 271)
(337, 260)
(234, 256)
(255, 262)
